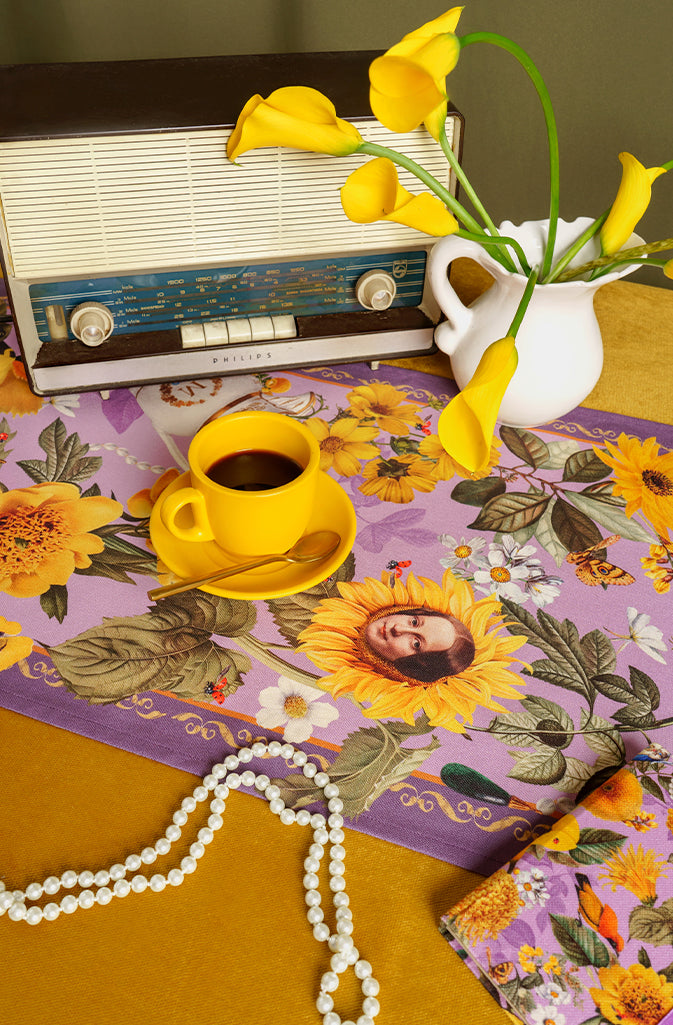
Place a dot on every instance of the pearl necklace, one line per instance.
(21, 906)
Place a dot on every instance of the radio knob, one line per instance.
(92, 323)
(376, 290)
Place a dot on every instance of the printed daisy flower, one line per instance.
(531, 886)
(542, 587)
(648, 638)
(462, 553)
(644, 478)
(44, 535)
(13, 648)
(386, 405)
(548, 1014)
(343, 444)
(15, 395)
(509, 566)
(632, 996)
(396, 479)
(447, 467)
(489, 909)
(658, 566)
(296, 707)
(335, 641)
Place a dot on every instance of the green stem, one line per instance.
(268, 658)
(488, 242)
(523, 305)
(552, 133)
(574, 249)
(607, 263)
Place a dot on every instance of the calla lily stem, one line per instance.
(552, 133)
(523, 305)
(488, 242)
(575, 248)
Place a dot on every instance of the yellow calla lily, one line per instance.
(373, 193)
(407, 82)
(466, 426)
(668, 268)
(631, 202)
(294, 116)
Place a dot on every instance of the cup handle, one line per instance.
(201, 530)
(449, 334)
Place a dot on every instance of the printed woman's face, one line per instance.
(402, 633)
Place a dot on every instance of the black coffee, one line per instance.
(254, 470)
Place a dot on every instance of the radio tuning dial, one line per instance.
(92, 323)
(376, 290)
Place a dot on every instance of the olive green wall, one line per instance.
(607, 63)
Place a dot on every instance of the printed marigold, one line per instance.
(644, 478)
(489, 909)
(637, 870)
(632, 996)
(334, 641)
(44, 535)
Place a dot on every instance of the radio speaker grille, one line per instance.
(100, 204)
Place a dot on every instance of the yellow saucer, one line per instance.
(333, 511)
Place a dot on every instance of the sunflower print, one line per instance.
(644, 478)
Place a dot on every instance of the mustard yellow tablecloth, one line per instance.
(232, 946)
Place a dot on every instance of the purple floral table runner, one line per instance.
(555, 567)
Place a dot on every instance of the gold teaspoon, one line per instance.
(310, 548)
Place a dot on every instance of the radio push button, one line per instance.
(376, 290)
(92, 323)
(192, 336)
(216, 332)
(262, 329)
(284, 326)
(239, 330)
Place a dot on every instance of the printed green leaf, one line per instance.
(478, 492)
(66, 460)
(538, 767)
(558, 640)
(559, 452)
(574, 529)
(603, 492)
(598, 652)
(612, 686)
(525, 445)
(54, 602)
(652, 787)
(579, 944)
(546, 535)
(609, 516)
(597, 845)
(585, 467)
(576, 774)
(644, 688)
(293, 613)
(516, 728)
(644, 958)
(119, 558)
(652, 925)
(604, 738)
(635, 714)
(511, 511)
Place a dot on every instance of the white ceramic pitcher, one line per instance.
(559, 342)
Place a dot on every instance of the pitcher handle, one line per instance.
(450, 333)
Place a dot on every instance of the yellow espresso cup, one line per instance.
(254, 477)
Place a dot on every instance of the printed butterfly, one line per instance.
(500, 973)
(593, 571)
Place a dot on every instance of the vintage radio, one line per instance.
(134, 251)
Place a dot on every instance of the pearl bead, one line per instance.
(215, 822)
(338, 963)
(321, 931)
(275, 747)
(121, 888)
(337, 836)
(324, 1003)
(133, 863)
(180, 818)
(337, 852)
(259, 749)
(315, 914)
(364, 1019)
(337, 883)
(287, 816)
(34, 916)
(233, 780)
(188, 805)
(303, 817)
(197, 850)
(139, 884)
(286, 751)
(352, 955)
(51, 911)
(261, 783)
(244, 754)
(321, 836)
(331, 790)
(68, 904)
(310, 769)
(200, 793)
(52, 884)
(312, 864)
(221, 791)
(34, 891)
(86, 899)
(188, 865)
(6, 901)
(300, 758)
(335, 821)
(370, 986)
(219, 769)
(362, 969)
(343, 913)
(318, 821)
(162, 846)
(331, 1018)
(217, 806)
(344, 943)
(344, 927)
(316, 850)
(248, 778)
(321, 779)
(69, 879)
(210, 781)
(117, 871)
(104, 895)
(329, 982)
(311, 881)
(175, 877)
(17, 912)
(272, 792)
(85, 878)
(205, 835)
(341, 900)
(312, 897)
(231, 762)
(173, 833)
(371, 1006)
(148, 855)
(158, 883)
(276, 805)
(336, 868)
(335, 805)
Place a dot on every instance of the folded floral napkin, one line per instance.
(578, 928)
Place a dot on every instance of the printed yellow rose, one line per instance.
(343, 444)
(644, 478)
(631, 202)
(466, 426)
(13, 648)
(408, 82)
(15, 395)
(397, 478)
(373, 193)
(632, 996)
(294, 116)
(386, 405)
(44, 535)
